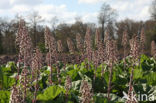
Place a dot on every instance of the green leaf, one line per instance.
(4, 96)
(50, 93)
(7, 81)
(10, 67)
(76, 84)
(151, 78)
(137, 74)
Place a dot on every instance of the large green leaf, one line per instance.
(50, 93)
(151, 78)
(8, 82)
(4, 96)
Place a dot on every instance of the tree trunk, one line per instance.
(103, 31)
(35, 39)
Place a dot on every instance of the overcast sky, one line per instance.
(67, 10)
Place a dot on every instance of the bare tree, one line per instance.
(35, 18)
(106, 15)
(53, 23)
(153, 10)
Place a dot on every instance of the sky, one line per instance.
(67, 10)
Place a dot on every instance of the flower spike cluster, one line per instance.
(70, 46)
(79, 43)
(86, 94)
(153, 49)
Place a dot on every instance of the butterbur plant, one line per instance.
(85, 90)
(95, 61)
(50, 44)
(131, 96)
(51, 56)
(26, 48)
(20, 31)
(16, 95)
(106, 37)
(101, 52)
(153, 49)
(68, 85)
(88, 39)
(88, 45)
(134, 44)
(70, 46)
(59, 46)
(18, 40)
(124, 44)
(95, 58)
(135, 47)
(97, 37)
(48, 60)
(26, 51)
(142, 41)
(116, 52)
(36, 66)
(79, 43)
(24, 83)
(24, 43)
(111, 59)
(58, 71)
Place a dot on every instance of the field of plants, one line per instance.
(97, 75)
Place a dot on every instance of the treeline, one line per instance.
(8, 32)
(61, 31)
